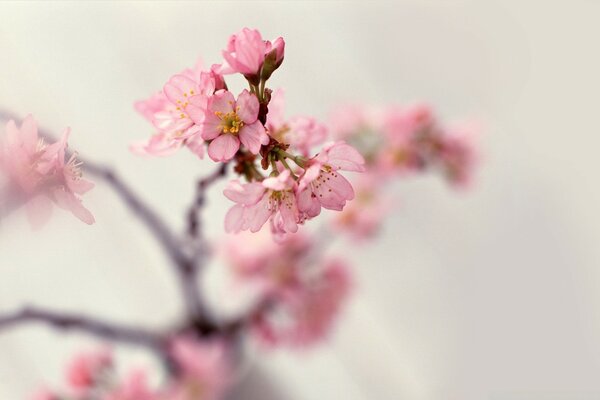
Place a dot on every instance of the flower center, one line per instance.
(230, 122)
(74, 167)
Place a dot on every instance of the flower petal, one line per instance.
(247, 107)
(253, 136)
(223, 148)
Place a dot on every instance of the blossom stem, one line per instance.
(299, 161)
(261, 95)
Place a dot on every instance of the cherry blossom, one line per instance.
(44, 173)
(274, 198)
(245, 52)
(227, 122)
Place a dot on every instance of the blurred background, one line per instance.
(488, 294)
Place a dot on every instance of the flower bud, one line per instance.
(274, 57)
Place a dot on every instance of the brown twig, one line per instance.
(194, 224)
(81, 323)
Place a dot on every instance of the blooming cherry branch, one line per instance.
(286, 171)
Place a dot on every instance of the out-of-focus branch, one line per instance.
(81, 323)
(194, 225)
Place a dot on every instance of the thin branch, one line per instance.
(194, 224)
(99, 329)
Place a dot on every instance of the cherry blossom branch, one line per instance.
(97, 328)
(194, 222)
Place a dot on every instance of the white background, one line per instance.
(492, 294)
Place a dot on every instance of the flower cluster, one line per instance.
(285, 183)
(202, 373)
(397, 142)
(39, 174)
(300, 293)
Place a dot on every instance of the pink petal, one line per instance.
(39, 211)
(275, 117)
(247, 194)
(198, 108)
(310, 174)
(223, 148)
(308, 204)
(289, 213)
(248, 107)
(278, 182)
(179, 89)
(69, 202)
(253, 136)
(196, 145)
(333, 193)
(211, 126)
(29, 134)
(223, 101)
(80, 186)
(233, 219)
(257, 215)
(345, 157)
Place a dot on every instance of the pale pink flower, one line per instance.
(204, 369)
(170, 112)
(277, 49)
(226, 123)
(401, 124)
(301, 132)
(321, 185)
(135, 387)
(161, 144)
(304, 315)
(274, 54)
(457, 155)
(363, 217)
(276, 114)
(44, 394)
(25, 157)
(156, 103)
(305, 133)
(245, 52)
(41, 173)
(349, 120)
(85, 368)
(274, 198)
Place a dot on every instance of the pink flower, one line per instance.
(41, 173)
(274, 53)
(227, 123)
(301, 133)
(86, 368)
(401, 124)
(276, 50)
(151, 106)
(204, 369)
(305, 133)
(69, 174)
(44, 394)
(363, 217)
(321, 184)
(135, 387)
(245, 52)
(458, 156)
(170, 112)
(273, 198)
(305, 314)
(26, 159)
